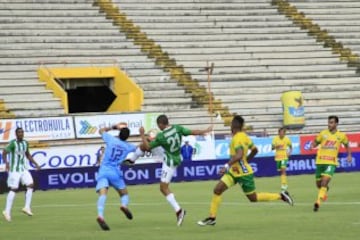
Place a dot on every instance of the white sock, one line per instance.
(28, 197)
(171, 199)
(9, 201)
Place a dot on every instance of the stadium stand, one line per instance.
(258, 53)
(74, 33)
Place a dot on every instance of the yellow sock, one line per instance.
(283, 180)
(263, 197)
(321, 195)
(215, 202)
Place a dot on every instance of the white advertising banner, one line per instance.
(204, 146)
(88, 126)
(49, 128)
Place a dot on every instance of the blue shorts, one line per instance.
(110, 177)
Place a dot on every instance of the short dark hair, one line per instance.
(124, 133)
(18, 129)
(162, 119)
(333, 117)
(282, 128)
(238, 120)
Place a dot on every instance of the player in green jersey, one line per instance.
(17, 169)
(170, 140)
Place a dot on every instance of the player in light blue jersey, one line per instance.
(110, 174)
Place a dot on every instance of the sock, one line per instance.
(101, 205)
(321, 195)
(283, 180)
(171, 199)
(9, 201)
(215, 202)
(263, 197)
(124, 200)
(28, 197)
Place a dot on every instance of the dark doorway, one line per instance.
(90, 99)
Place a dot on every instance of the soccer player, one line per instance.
(17, 169)
(327, 157)
(170, 139)
(283, 147)
(109, 173)
(238, 170)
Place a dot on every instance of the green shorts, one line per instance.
(281, 164)
(324, 170)
(247, 182)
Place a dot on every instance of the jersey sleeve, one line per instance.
(318, 138)
(10, 147)
(27, 146)
(273, 143)
(345, 140)
(184, 131)
(107, 137)
(155, 143)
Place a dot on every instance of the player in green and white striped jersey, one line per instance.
(170, 140)
(17, 169)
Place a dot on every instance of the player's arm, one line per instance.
(31, 159)
(144, 145)
(273, 144)
(290, 148)
(317, 141)
(252, 153)
(201, 132)
(114, 127)
(236, 158)
(4, 157)
(346, 144)
(10, 147)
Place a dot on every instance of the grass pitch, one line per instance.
(70, 214)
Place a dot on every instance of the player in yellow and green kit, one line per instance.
(238, 170)
(330, 141)
(283, 147)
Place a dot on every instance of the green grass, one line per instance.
(70, 214)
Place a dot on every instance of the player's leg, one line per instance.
(133, 156)
(120, 186)
(28, 181)
(102, 186)
(283, 177)
(326, 172)
(13, 183)
(225, 182)
(166, 176)
(248, 186)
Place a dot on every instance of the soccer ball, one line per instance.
(152, 133)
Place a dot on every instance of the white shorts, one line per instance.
(167, 173)
(14, 179)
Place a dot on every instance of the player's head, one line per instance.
(162, 121)
(19, 132)
(282, 132)
(124, 133)
(332, 122)
(237, 124)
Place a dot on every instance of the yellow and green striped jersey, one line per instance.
(17, 150)
(241, 141)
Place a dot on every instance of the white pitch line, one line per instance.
(194, 203)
